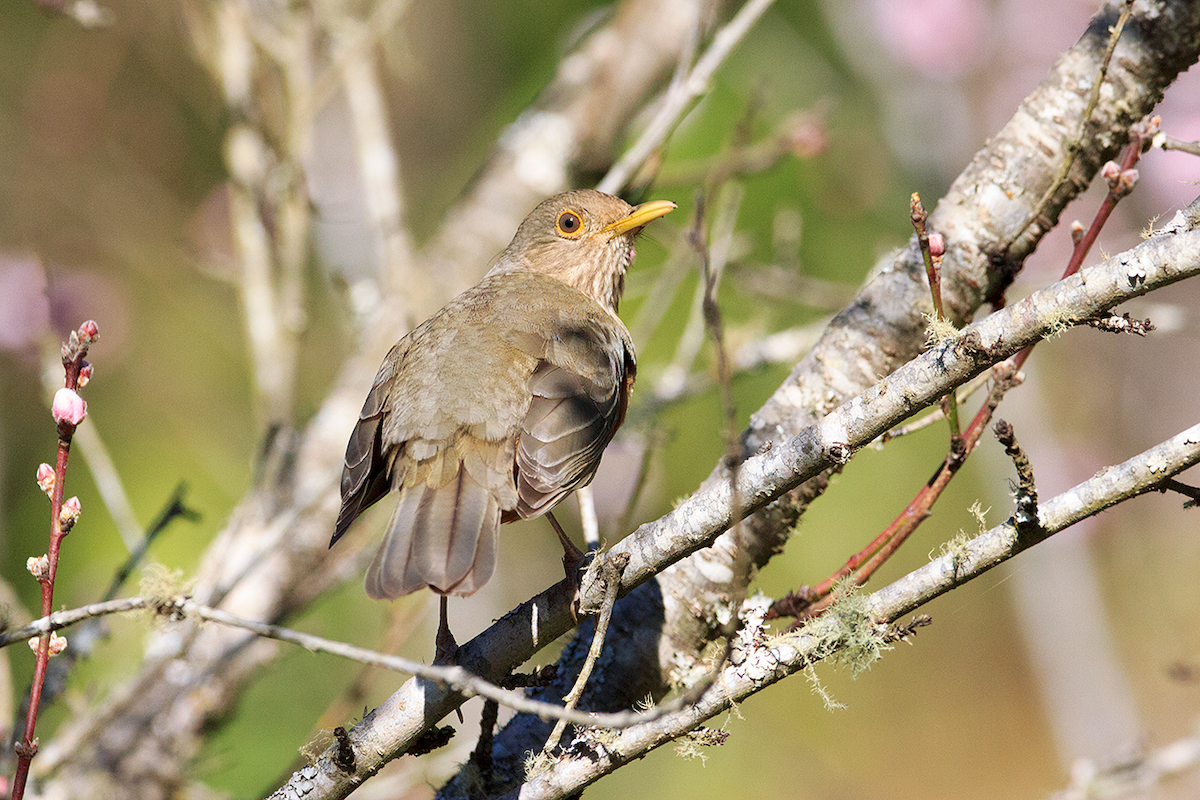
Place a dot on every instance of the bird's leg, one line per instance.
(572, 559)
(445, 649)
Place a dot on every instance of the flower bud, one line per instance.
(1077, 232)
(46, 479)
(1111, 172)
(57, 643)
(937, 245)
(1126, 182)
(85, 375)
(38, 566)
(69, 514)
(68, 408)
(89, 332)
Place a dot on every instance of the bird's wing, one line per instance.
(365, 471)
(580, 391)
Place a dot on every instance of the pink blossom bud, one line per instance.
(57, 643)
(85, 375)
(68, 408)
(1126, 182)
(38, 566)
(937, 245)
(46, 479)
(69, 514)
(1111, 172)
(89, 332)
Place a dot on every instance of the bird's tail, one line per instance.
(443, 538)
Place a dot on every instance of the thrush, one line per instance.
(500, 404)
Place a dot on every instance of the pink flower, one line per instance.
(68, 408)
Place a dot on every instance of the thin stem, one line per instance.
(933, 263)
(74, 350)
(611, 568)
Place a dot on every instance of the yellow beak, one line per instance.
(646, 212)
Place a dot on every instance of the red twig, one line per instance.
(809, 602)
(69, 410)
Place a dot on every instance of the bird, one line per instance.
(500, 404)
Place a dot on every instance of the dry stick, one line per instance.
(456, 677)
(610, 569)
(1169, 143)
(587, 518)
(734, 454)
(1076, 144)
(682, 95)
(1026, 513)
(965, 392)
(640, 479)
(89, 634)
(174, 509)
(74, 351)
(933, 262)
(1185, 490)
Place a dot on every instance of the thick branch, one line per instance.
(778, 657)
(389, 730)
(990, 222)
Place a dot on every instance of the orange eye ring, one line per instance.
(569, 223)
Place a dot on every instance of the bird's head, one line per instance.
(583, 238)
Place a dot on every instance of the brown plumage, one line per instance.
(501, 403)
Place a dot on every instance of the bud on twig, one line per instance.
(57, 643)
(68, 408)
(1111, 171)
(46, 479)
(69, 514)
(85, 375)
(1077, 232)
(89, 332)
(1126, 182)
(937, 245)
(39, 567)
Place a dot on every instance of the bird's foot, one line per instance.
(445, 649)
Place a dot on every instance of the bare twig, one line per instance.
(587, 518)
(1185, 490)
(1026, 516)
(1137, 776)
(682, 95)
(610, 569)
(1076, 144)
(454, 677)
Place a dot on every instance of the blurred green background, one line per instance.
(111, 176)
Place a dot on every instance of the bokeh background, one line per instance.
(113, 206)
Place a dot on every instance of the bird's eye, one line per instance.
(569, 223)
